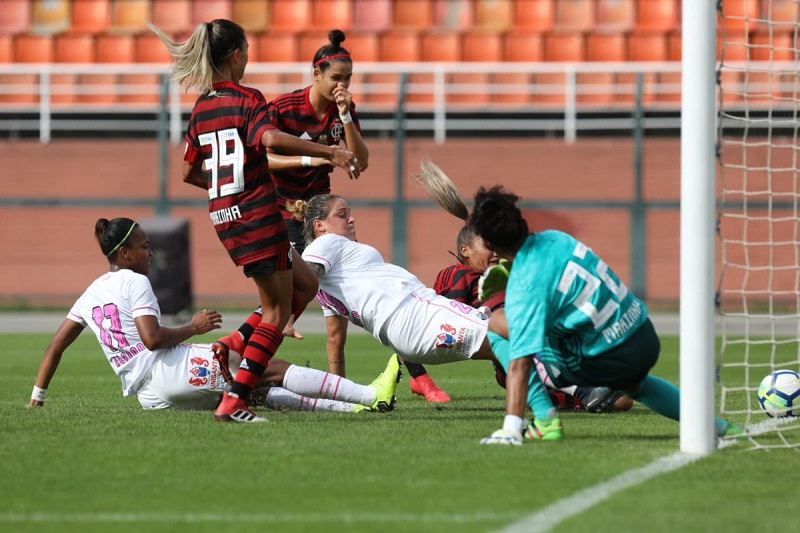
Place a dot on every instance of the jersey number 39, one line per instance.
(226, 151)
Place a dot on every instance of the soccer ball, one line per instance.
(779, 393)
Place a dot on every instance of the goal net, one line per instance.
(759, 212)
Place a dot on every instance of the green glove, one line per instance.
(493, 280)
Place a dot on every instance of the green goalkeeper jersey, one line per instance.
(564, 302)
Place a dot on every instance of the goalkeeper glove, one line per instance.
(493, 280)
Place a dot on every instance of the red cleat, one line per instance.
(425, 386)
(233, 409)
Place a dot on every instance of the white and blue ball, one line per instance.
(779, 393)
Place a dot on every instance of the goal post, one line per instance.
(697, 258)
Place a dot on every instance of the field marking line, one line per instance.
(549, 517)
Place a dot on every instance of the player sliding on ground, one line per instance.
(152, 361)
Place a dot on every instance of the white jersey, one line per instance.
(358, 284)
(109, 306)
(393, 304)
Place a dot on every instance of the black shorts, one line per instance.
(270, 265)
(296, 237)
(621, 368)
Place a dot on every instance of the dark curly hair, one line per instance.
(498, 220)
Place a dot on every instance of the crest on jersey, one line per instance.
(337, 129)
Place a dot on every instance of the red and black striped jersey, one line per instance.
(225, 130)
(292, 113)
(460, 282)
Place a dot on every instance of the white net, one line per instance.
(759, 222)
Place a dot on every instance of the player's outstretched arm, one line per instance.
(156, 336)
(337, 337)
(66, 334)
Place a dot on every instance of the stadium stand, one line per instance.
(26, 49)
(70, 48)
(642, 46)
(601, 47)
(558, 46)
(453, 15)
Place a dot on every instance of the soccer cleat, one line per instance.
(600, 400)
(493, 280)
(549, 429)
(233, 409)
(385, 386)
(425, 386)
(221, 352)
(507, 437)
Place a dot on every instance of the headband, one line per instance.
(330, 57)
(125, 238)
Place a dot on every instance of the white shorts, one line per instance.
(184, 377)
(431, 329)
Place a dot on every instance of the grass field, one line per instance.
(94, 461)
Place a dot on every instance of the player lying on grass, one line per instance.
(461, 283)
(151, 360)
(565, 306)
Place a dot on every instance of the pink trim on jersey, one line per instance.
(468, 316)
(147, 307)
(321, 259)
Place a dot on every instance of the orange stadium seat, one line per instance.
(441, 46)
(290, 15)
(276, 47)
(363, 47)
(784, 15)
(90, 16)
(309, 43)
(767, 46)
(70, 48)
(657, 15)
(614, 15)
(560, 47)
(147, 48)
(6, 48)
(671, 81)
(173, 16)
(574, 15)
(740, 15)
(208, 10)
(416, 14)
(49, 16)
(331, 14)
(493, 15)
(453, 14)
(130, 16)
(642, 46)
(601, 47)
(108, 49)
(27, 49)
(252, 15)
(15, 17)
(373, 15)
(484, 46)
(519, 46)
(395, 46)
(534, 15)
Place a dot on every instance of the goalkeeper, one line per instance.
(566, 305)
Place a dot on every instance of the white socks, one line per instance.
(278, 397)
(324, 385)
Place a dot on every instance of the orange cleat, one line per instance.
(425, 386)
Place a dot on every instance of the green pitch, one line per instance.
(91, 460)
